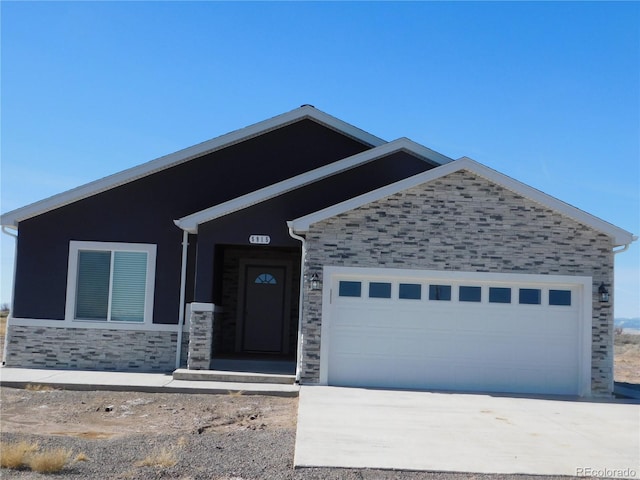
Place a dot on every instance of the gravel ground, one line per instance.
(212, 437)
(241, 455)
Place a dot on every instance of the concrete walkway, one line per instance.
(360, 428)
(139, 382)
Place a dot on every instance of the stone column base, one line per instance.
(200, 336)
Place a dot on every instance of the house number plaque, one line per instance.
(260, 239)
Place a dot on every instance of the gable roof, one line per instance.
(190, 222)
(12, 218)
(620, 236)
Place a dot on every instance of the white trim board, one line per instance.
(88, 325)
(13, 217)
(619, 236)
(191, 222)
(103, 325)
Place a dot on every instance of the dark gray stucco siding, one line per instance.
(270, 217)
(143, 211)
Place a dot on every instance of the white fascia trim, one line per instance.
(190, 222)
(13, 217)
(619, 236)
(307, 111)
(426, 153)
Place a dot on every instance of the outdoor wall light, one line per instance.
(604, 293)
(315, 282)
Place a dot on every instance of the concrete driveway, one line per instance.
(361, 428)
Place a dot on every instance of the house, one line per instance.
(371, 263)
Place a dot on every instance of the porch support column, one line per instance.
(200, 336)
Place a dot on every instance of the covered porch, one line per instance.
(249, 328)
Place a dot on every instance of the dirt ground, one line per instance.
(627, 358)
(250, 436)
(101, 415)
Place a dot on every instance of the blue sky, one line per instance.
(546, 92)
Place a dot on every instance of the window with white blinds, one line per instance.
(111, 284)
(127, 291)
(92, 290)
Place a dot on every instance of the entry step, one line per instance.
(236, 377)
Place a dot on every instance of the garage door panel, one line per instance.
(541, 380)
(437, 344)
(565, 327)
(438, 374)
(365, 373)
(453, 345)
(517, 380)
(371, 316)
(413, 343)
(376, 343)
(498, 347)
(498, 377)
(345, 340)
(520, 323)
(411, 321)
(560, 353)
(561, 381)
(433, 323)
(460, 321)
(380, 342)
(377, 316)
(471, 376)
(347, 315)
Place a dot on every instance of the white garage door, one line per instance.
(479, 332)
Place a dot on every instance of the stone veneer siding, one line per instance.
(462, 222)
(200, 339)
(91, 349)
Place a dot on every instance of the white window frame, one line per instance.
(72, 278)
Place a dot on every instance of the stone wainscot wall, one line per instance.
(93, 349)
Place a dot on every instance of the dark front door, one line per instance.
(264, 308)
